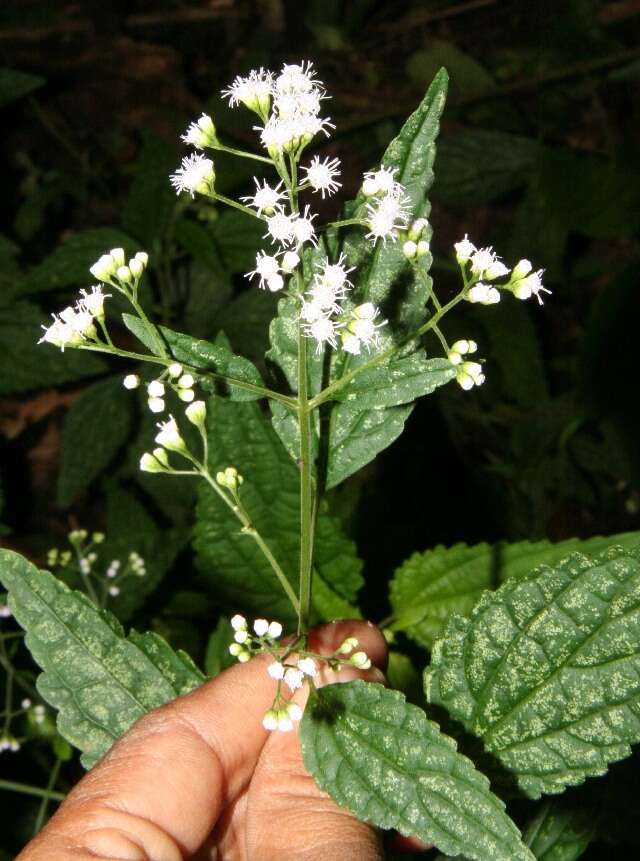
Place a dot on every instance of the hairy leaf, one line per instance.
(546, 671)
(241, 435)
(217, 357)
(430, 587)
(100, 681)
(94, 430)
(381, 758)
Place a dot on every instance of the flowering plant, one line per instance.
(359, 335)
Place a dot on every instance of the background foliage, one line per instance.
(537, 157)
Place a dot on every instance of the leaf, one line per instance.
(100, 681)
(546, 670)
(381, 758)
(94, 430)
(137, 328)
(217, 657)
(29, 365)
(14, 85)
(69, 264)
(430, 587)
(405, 379)
(206, 356)
(151, 201)
(200, 244)
(241, 435)
(238, 239)
(560, 833)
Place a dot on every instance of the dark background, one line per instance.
(538, 157)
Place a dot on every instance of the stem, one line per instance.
(329, 392)
(242, 153)
(249, 529)
(306, 490)
(236, 205)
(11, 786)
(346, 222)
(44, 806)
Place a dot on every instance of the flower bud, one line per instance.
(169, 436)
(238, 622)
(289, 261)
(156, 405)
(370, 187)
(285, 724)
(156, 389)
(464, 249)
(308, 666)
(260, 626)
(275, 283)
(423, 248)
(347, 646)
(186, 395)
(175, 370)
(360, 660)
(104, 268)
(235, 649)
(497, 269)
(197, 413)
(294, 711)
(117, 255)
(417, 228)
(131, 381)
(276, 670)
(186, 381)
(270, 720)
(143, 258)
(124, 275)
(521, 269)
(275, 630)
(135, 267)
(149, 463)
(409, 249)
(243, 657)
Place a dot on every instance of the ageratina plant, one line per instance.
(542, 670)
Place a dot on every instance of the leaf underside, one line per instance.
(546, 671)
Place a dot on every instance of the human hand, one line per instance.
(200, 778)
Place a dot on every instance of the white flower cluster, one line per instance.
(112, 269)
(388, 209)
(245, 643)
(196, 173)
(174, 376)
(76, 324)
(482, 265)
(202, 133)
(38, 712)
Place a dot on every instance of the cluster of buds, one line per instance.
(417, 243)
(246, 644)
(112, 269)
(9, 743)
(468, 374)
(75, 325)
(37, 712)
(388, 207)
(525, 283)
(169, 438)
(230, 479)
(270, 269)
(174, 377)
(482, 265)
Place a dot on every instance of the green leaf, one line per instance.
(94, 430)
(199, 242)
(137, 328)
(14, 85)
(405, 379)
(381, 758)
(241, 435)
(430, 587)
(559, 832)
(69, 264)
(217, 657)
(546, 670)
(217, 357)
(151, 201)
(238, 238)
(100, 681)
(29, 365)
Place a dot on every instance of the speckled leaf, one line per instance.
(559, 832)
(100, 681)
(207, 356)
(242, 436)
(430, 587)
(380, 757)
(546, 671)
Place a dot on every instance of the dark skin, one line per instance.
(201, 779)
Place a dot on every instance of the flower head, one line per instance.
(169, 436)
(323, 330)
(202, 133)
(464, 249)
(254, 91)
(385, 216)
(322, 175)
(266, 199)
(280, 228)
(530, 285)
(196, 173)
(469, 374)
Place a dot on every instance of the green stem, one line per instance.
(306, 487)
(236, 205)
(242, 153)
(44, 806)
(330, 391)
(346, 222)
(249, 529)
(25, 789)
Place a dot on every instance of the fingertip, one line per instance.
(328, 637)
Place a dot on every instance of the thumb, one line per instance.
(287, 814)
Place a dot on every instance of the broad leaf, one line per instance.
(149, 207)
(240, 435)
(94, 430)
(100, 681)
(559, 832)
(69, 264)
(137, 328)
(29, 365)
(430, 587)
(546, 670)
(206, 356)
(14, 85)
(381, 758)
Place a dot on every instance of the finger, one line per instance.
(285, 807)
(161, 787)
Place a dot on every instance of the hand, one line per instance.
(200, 778)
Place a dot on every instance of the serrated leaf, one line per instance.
(430, 587)
(94, 430)
(100, 681)
(29, 365)
(546, 670)
(151, 201)
(206, 356)
(137, 328)
(559, 832)
(404, 380)
(242, 436)
(380, 757)
(69, 264)
(14, 85)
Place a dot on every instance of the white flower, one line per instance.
(285, 724)
(254, 91)
(5, 612)
(196, 173)
(238, 622)
(290, 260)
(469, 374)
(280, 228)
(104, 268)
(275, 283)
(196, 413)
(460, 349)
(270, 720)
(156, 389)
(114, 591)
(169, 436)
(482, 260)
(266, 267)
(186, 395)
(61, 334)
(529, 286)
(522, 268)
(308, 666)
(93, 303)
(261, 626)
(202, 133)
(410, 249)
(286, 134)
(311, 311)
(464, 249)
(175, 370)
(350, 343)
(186, 381)
(156, 405)
(276, 670)
(483, 294)
(335, 274)
(117, 255)
(323, 330)
(496, 270)
(275, 630)
(384, 179)
(297, 79)
(293, 678)
(303, 229)
(385, 217)
(266, 199)
(321, 175)
(363, 325)
(241, 636)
